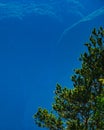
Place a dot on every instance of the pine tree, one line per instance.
(80, 108)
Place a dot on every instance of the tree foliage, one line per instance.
(80, 108)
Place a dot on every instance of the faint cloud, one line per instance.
(75, 7)
(89, 17)
(52, 9)
(19, 10)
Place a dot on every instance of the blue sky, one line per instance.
(40, 43)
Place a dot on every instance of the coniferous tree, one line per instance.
(80, 108)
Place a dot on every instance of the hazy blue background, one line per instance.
(32, 60)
